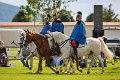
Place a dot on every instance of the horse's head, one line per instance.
(51, 40)
(27, 38)
(23, 41)
(57, 38)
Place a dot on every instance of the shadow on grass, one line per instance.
(62, 73)
(53, 73)
(116, 68)
(114, 72)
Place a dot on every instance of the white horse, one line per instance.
(92, 48)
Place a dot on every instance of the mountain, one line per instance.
(7, 12)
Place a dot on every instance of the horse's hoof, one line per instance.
(81, 71)
(102, 72)
(88, 72)
(57, 72)
(72, 72)
(27, 65)
(60, 70)
(30, 68)
(37, 72)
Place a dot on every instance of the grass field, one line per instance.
(112, 72)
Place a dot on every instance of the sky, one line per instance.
(85, 6)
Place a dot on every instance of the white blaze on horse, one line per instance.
(93, 48)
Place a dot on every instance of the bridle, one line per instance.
(36, 39)
(61, 44)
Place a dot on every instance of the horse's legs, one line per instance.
(31, 63)
(90, 65)
(58, 62)
(39, 65)
(62, 65)
(71, 66)
(101, 62)
(48, 63)
(66, 63)
(77, 65)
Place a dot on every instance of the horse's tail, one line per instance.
(105, 50)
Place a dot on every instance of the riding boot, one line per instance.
(75, 51)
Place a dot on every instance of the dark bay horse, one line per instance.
(43, 48)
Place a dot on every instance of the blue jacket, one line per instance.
(79, 33)
(57, 26)
(45, 28)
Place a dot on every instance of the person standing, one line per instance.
(3, 55)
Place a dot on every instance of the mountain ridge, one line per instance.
(7, 12)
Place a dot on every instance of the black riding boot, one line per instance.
(75, 51)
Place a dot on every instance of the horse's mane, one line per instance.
(39, 35)
(60, 35)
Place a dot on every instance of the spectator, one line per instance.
(3, 55)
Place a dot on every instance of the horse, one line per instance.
(93, 48)
(43, 48)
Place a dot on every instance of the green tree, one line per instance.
(108, 15)
(43, 7)
(65, 16)
(22, 16)
(90, 17)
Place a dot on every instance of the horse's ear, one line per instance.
(28, 31)
(25, 31)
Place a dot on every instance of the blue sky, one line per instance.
(86, 6)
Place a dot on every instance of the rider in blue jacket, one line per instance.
(78, 35)
(57, 25)
(47, 26)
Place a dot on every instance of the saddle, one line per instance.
(80, 46)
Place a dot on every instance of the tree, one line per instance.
(43, 7)
(90, 17)
(22, 16)
(65, 16)
(108, 15)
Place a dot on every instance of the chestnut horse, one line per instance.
(43, 48)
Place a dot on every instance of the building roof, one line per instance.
(37, 24)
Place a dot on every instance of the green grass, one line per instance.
(112, 72)
(14, 51)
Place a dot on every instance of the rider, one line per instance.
(47, 25)
(57, 25)
(46, 28)
(78, 35)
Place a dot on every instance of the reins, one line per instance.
(62, 43)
